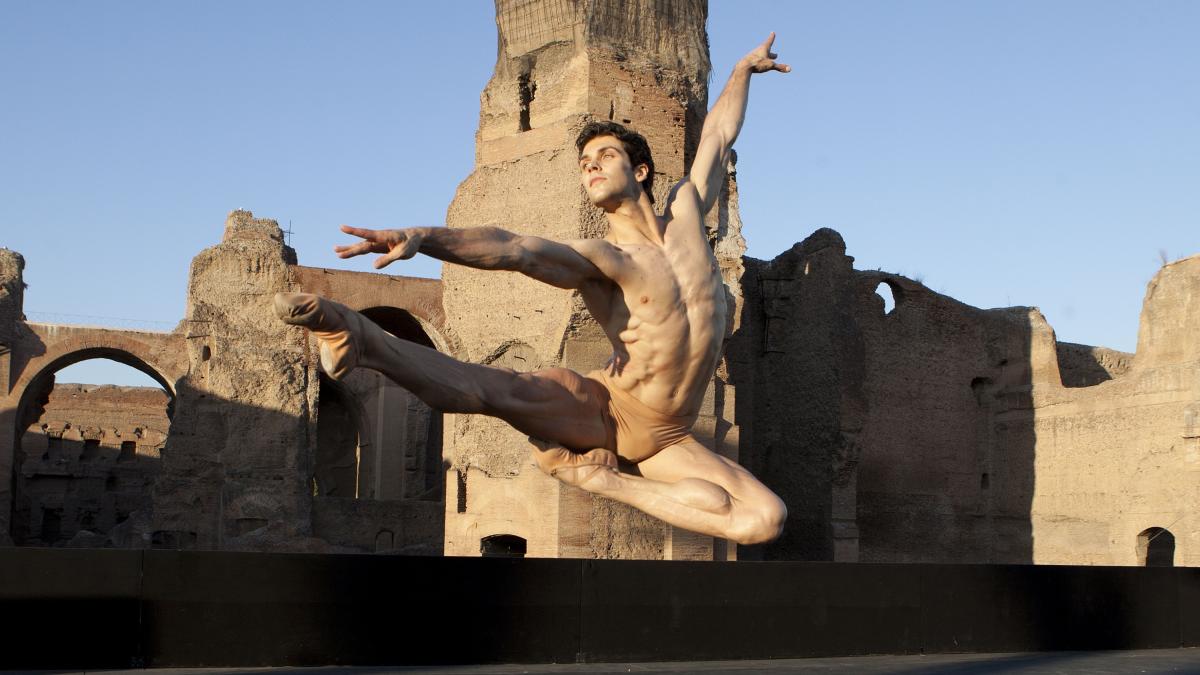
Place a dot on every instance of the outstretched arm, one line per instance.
(724, 121)
(485, 248)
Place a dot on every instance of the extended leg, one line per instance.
(691, 487)
(557, 405)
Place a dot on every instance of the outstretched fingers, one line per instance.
(360, 232)
(390, 257)
(373, 242)
(351, 250)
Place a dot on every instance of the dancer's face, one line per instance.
(606, 173)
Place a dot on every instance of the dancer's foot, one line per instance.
(336, 327)
(589, 470)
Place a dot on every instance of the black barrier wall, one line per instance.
(117, 609)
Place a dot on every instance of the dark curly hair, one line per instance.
(634, 143)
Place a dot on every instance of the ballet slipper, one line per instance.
(339, 330)
(573, 468)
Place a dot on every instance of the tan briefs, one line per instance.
(636, 431)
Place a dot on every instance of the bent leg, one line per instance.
(688, 486)
(558, 404)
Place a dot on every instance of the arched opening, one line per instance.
(502, 546)
(1156, 548)
(385, 541)
(400, 323)
(890, 294)
(92, 426)
(375, 440)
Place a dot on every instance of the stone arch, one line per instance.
(890, 293)
(65, 346)
(503, 546)
(401, 323)
(420, 299)
(1156, 547)
(884, 293)
(121, 459)
(70, 354)
(397, 445)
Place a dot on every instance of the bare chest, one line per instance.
(658, 286)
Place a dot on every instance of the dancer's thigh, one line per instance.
(556, 404)
(690, 459)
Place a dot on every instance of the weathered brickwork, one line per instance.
(260, 452)
(939, 432)
(87, 464)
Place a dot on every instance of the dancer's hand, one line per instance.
(393, 244)
(762, 58)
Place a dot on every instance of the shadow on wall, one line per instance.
(220, 482)
(898, 434)
(378, 477)
(217, 490)
(376, 440)
(83, 457)
(79, 494)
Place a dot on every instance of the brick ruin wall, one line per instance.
(12, 294)
(939, 432)
(261, 451)
(87, 464)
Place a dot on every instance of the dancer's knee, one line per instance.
(760, 522)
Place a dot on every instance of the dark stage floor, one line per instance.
(73, 609)
(1149, 661)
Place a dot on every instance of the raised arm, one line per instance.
(724, 121)
(485, 248)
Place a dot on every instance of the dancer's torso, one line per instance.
(664, 312)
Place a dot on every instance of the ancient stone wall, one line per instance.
(939, 432)
(87, 464)
(946, 386)
(796, 361)
(262, 452)
(12, 293)
(1122, 457)
(236, 474)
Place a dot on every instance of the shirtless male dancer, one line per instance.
(653, 285)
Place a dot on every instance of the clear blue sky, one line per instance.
(1013, 152)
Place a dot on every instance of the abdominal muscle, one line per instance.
(663, 310)
(666, 364)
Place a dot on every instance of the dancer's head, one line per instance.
(614, 162)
